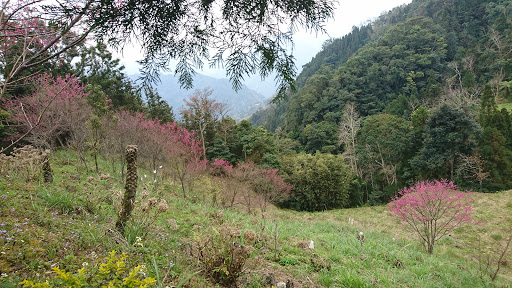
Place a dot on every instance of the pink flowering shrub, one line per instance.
(267, 183)
(432, 209)
(221, 167)
(57, 108)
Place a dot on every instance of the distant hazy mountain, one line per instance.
(242, 103)
(267, 88)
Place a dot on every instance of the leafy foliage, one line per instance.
(320, 182)
(244, 35)
(449, 131)
(382, 143)
(113, 273)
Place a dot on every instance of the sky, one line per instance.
(348, 13)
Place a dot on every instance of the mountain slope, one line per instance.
(241, 103)
(68, 223)
(417, 54)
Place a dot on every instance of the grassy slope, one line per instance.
(70, 222)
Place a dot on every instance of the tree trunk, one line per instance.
(96, 163)
(130, 188)
(47, 171)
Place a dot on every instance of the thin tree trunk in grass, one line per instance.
(96, 163)
(47, 171)
(130, 188)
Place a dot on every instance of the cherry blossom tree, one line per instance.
(432, 209)
(34, 32)
(57, 109)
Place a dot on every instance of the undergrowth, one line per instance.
(47, 229)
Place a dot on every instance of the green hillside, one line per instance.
(71, 222)
(409, 64)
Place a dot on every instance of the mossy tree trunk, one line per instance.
(47, 171)
(130, 188)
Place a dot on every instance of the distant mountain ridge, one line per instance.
(241, 103)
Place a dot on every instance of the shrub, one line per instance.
(432, 209)
(266, 183)
(26, 162)
(222, 258)
(112, 273)
(320, 181)
(56, 110)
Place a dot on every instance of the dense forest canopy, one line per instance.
(415, 63)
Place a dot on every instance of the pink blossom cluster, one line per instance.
(221, 167)
(157, 141)
(65, 101)
(432, 209)
(266, 182)
(433, 200)
(25, 29)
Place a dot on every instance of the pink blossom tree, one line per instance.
(266, 183)
(57, 108)
(33, 33)
(166, 144)
(432, 209)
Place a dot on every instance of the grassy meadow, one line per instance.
(71, 224)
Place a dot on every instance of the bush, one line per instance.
(432, 209)
(320, 181)
(25, 162)
(221, 256)
(112, 273)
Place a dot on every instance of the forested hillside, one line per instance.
(102, 184)
(413, 95)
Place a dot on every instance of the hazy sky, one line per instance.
(348, 13)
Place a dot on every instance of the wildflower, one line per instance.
(360, 237)
(4, 275)
(160, 167)
(138, 242)
(85, 264)
(143, 270)
(154, 171)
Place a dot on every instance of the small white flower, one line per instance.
(4, 275)
(85, 264)
(138, 242)
(145, 175)
(160, 167)
(154, 171)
